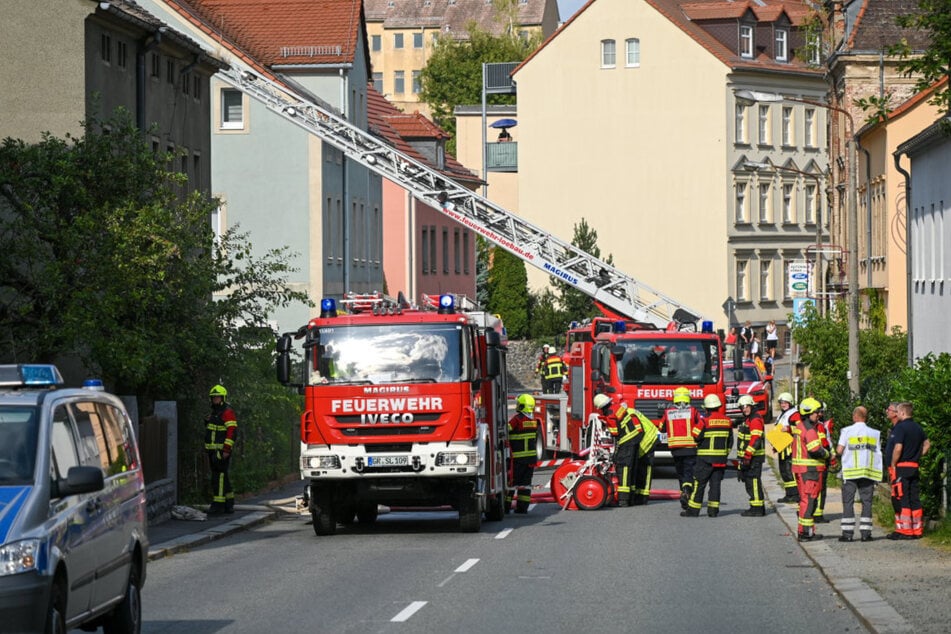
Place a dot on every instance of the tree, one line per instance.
(575, 304)
(104, 257)
(508, 292)
(453, 74)
(934, 63)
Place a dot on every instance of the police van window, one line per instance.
(92, 441)
(62, 443)
(118, 443)
(17, 444)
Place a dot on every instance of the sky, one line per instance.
(567, 8)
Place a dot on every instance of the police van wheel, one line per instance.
(324, 522)
(56, 612)
(127, 616)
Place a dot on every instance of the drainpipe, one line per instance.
(145, 46)
(908, 292)
(868, 217)
(347, 206)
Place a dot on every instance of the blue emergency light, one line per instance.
(30, 375)
(620, 326)
(706, 326)
(447, 304)
(328, 307)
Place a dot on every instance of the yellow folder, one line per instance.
(778, 438)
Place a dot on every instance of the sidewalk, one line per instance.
(173, 536)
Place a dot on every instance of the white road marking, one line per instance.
(466, 566)
(504, 534)
(408, 611)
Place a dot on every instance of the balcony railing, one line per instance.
(501, 156)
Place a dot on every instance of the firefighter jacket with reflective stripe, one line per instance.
(714, 435)
(750, 438)
(861, 452)
(554, 367)
(808, 452)
(220, 428)
(678, 424)
(522, 433)
(650, 433)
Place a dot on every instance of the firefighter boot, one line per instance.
(638, 500)
(754, 512)
(846, 537)
(685, 492)
(690, 513)
(624, 498)
(866, 536)
(712, 512)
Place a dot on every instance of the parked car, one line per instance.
(755, 383)
(72, 507)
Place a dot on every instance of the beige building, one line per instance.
(402, 35)
(627, 118)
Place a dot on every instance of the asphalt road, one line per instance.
(640, 569)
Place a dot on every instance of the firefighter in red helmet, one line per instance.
(523, 430)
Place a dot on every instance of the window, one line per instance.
(378, 82)
(815, 49)
(742, 293)
(196, 87)
(787, 126)
(156, 65)
(445, 251)
(765, 280)
(782, 45)
(765, 211)
(105, 48)
(809, 121)
(608, 54)
(424, 249)
(632, 52)
(465, 251)
(418, 40)
(811, 201)
(170, 72)
(397, 40)
(196, 171)
(746, 41)
(741, 216)
(417, 86)
(232, 109)
(432, 249)
(399, 82)
(787, 289)
(763, 124)
(739, 131)
(121, 54)
(63, 443)
(186, 83)
(456, 250)
(789, 207)
(376, 42)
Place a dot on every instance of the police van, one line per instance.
(72, 507)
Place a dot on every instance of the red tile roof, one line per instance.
(450, 16)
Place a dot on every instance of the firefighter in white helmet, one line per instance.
(636, 435)
(787, 420)
(750, 454)
(714, 434)
(523, 430)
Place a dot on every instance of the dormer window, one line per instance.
(746, 40)
(782, 45)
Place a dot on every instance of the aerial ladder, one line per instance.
(601, 281)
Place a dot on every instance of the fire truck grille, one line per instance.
(388, 430)
(653, 409)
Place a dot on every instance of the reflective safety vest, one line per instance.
(861, 452)
(629, 426)
(808, 452)
(220, 429)
(750, 438)
(522, 433)
(714, 436)
(554, 367)
(678, 423)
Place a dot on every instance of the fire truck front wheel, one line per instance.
(324, 521)
(470, 513)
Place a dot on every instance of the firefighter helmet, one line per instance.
(601, 401)
(809, 406)
(682, 395)
(745, 400)
(525, 404)
(546, 347)
(786, 397)
(218, 390)
(712, 401)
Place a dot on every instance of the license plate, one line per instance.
(387, 461)
(662, 438)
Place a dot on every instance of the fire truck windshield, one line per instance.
(399, 353)
(663, 361)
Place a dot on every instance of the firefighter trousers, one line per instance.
(808, 483)
(643, 474)
(684, 465)
(706, 472)
(786, 474)
(753, 479)
(625, 463)
(522, 471)
(222, 496)
(821, 497)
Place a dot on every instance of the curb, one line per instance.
(869, 606)
(257, 515)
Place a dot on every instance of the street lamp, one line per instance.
(751, 97)
(753, 166)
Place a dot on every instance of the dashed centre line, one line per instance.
(504, 533)
(408, 611)
(467, 565)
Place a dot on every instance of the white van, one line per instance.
(72, 507)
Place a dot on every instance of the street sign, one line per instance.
(799, 307)
(800, 279)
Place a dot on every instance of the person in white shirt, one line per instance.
(861, 451)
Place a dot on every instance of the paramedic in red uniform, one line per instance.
(907, 443)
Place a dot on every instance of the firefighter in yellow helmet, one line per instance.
(221, 427)
(523, 431)
(714, 434)
(809, 464)
(677, 424)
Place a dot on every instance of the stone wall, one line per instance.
(521, 360)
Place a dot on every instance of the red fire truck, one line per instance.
(404, 406)
(635, 363)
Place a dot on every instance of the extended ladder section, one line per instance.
(562, 260)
